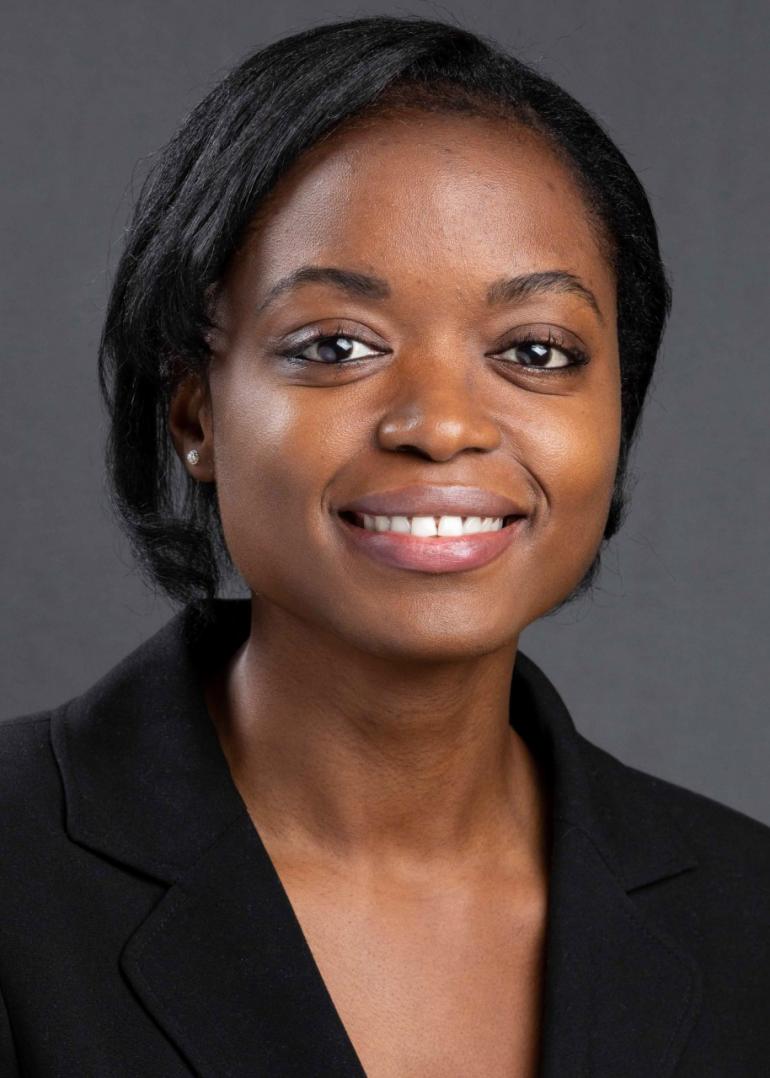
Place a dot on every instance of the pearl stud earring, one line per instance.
(193, 456)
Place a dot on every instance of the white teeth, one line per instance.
(400, 524)
(428, 527)
(423, 526)
(450, 525)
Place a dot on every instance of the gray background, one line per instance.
(666, 665)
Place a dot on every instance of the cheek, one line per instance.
(273, 455)
(572, 458)
(576, 460)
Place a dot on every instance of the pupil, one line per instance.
(541, 352)
(326, 349)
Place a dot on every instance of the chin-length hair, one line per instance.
(206, 187)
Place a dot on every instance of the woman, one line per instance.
(379, 340)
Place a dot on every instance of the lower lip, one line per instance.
(442, 554)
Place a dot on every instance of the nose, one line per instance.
(435, 410)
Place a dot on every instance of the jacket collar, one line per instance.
(145, 779)
(146, 784)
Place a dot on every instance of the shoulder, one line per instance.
(33, 840)
(731, 850)
(25, 750)
(718, 912)
(720, 834)
(29, 778)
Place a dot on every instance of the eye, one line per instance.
(332, 349)
(545, 354)
(541, 352)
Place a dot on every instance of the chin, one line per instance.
(434, 639)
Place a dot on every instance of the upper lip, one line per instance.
(428, 501)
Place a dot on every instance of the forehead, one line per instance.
(420, 196)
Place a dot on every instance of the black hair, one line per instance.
(210, 181)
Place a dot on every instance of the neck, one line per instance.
(392, 768)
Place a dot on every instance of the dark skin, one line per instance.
(365, 720)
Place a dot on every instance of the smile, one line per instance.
(428, 526)
(430, 544)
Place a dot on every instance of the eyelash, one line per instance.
(577, 357)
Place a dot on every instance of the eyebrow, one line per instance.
(503, 290)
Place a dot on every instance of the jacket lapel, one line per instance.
(620, 997)
(224, 968)
(221, 963)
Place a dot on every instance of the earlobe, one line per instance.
(191, 428)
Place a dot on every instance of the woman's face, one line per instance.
(439, 210)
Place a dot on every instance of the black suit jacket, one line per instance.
(144, 932)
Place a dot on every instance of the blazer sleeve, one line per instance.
(9, 1064)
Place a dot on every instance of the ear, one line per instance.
(191, 426)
